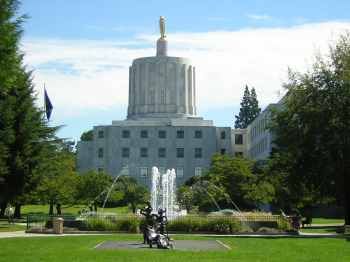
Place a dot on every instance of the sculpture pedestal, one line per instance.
(162, 47)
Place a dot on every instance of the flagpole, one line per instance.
(44, 100)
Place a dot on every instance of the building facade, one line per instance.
(162, 127)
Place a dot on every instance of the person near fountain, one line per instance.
(9, 212)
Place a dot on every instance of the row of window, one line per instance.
(162, 152)
(162, 134)
(145, 172)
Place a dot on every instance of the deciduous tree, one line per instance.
(313, 129)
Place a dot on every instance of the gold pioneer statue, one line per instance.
(162, 27)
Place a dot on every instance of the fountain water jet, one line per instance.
(163, 192)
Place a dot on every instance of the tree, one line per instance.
(185, 197)
(87, 136)
(134, 194)
(93, 187)
(231, 183)
(235, 177)
(312, 130)
(254, 105)
(249, 108)
(58, 179)
(23, 130)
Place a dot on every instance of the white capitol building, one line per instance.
(162, 127)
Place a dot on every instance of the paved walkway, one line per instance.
(325, 225)
(302, 235)
(24, 234)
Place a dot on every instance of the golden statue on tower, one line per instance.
(162, 27)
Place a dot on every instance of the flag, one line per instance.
(48, 105)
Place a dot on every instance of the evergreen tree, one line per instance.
(254, 105)
(23, 131)
(249, 108)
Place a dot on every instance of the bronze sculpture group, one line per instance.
(154, 229)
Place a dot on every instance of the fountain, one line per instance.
(110, 190)
(106, 192)
(163, 192)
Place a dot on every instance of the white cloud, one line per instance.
(259, 16)
(225, 60)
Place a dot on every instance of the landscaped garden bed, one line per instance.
(250, 223)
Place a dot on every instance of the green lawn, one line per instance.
(321, 230)
(81, 248)
(321, 220)
(6, 227)
(69, 210)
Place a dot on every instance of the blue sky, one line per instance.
(81, 50)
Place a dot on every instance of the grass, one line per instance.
(44, 209)
(321, 220)
(328, 229)
(81, 248)
(6, 227)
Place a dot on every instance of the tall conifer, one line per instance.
(23, 131)
(249, 108)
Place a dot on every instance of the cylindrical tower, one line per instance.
(162, 86)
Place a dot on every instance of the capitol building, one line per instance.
(162, 127)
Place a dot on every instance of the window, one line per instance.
(198, 152)
(198, 134)
(239, 139)
(179, 172)
(100, 152)
(223, 151)
(101, 134)
(198, 171)
(126, 134)
(223, 135)
(238, 154)
(180, 152)
(126, 152)
(144, 134)
(180, 134)
(143, 152)
(100, 169)
(143, 171)
(162, 134)
(162, 152)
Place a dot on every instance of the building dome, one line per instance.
(162, 86)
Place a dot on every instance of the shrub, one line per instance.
(190, 224)
(126, 224)
(268, 230)
(129, 225)
(222, 224)
(284, 224)
(185, 224)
